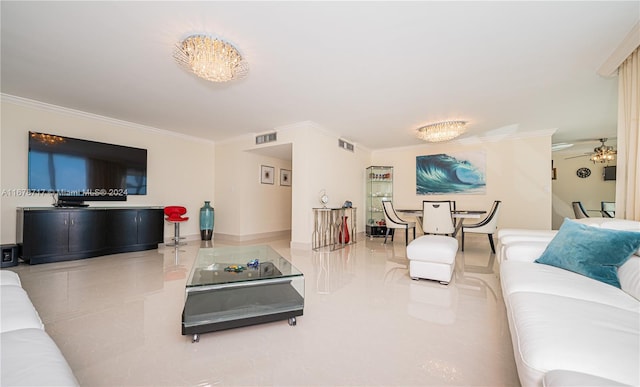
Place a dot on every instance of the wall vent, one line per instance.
(264, 138)
(345, 145)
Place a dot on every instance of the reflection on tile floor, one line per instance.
(366, 323)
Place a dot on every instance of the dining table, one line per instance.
(458, 216)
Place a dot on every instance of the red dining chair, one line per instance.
(175, 215)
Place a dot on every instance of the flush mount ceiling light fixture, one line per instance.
(211, 58)
(603, 153)
(442, 131)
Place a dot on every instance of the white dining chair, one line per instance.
(608, 209)
(393, 221)
(488, 225)
(437, 217)
(579, 211)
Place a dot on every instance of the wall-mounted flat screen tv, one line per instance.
(609, 173)
(80, 170)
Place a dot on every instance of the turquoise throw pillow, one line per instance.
(591, 251)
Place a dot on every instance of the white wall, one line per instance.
(518, 173)
(187, 171)
(246, 207)
(320, 165)
(179, 168)
(568, 187)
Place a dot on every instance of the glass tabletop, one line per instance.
(234, 264)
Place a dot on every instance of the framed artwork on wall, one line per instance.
(266, 174)
(285, 177)
(459, 173)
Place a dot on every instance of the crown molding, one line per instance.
(30, 103)
(609, 68)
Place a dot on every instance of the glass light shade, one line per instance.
(210, 58)
(603, 153)
(442, 131)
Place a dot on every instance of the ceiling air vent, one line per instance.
(345, 145)
(264, 138)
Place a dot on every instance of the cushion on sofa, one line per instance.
(7, 277)
(629, 276)
(565, 378)
(16, 310)
(591, 251)
(29, 357)
(526, 277)
(621, 224)
(524, 251)
(554, 332)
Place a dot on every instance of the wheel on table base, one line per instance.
(292, 321)
(195, 338)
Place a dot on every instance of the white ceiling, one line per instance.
(370, 71)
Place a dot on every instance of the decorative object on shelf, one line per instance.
(254, 263)
(583, 172)
(206, 221)
(210, 58)
(347, 204)
(285, 177)
(343, 236)
(442, 131)
(324, 199)
(603, 153)
(379, 187)
(266, 174)
(380, 176)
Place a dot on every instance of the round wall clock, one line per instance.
(583, 172)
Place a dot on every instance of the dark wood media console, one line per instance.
(48, 234)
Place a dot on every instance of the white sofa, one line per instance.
(568, 329)
(28, 356)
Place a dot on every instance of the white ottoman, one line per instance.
(432, 257)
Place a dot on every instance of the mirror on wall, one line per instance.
(576, 178)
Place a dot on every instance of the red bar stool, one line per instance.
(174, 215)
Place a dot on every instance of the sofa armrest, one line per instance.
(527, 251)
(566, 378)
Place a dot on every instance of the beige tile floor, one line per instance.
(366, 323)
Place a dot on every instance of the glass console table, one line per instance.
(227, 290)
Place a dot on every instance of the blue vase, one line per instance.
(206, 221)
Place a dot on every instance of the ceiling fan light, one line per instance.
(603, 153)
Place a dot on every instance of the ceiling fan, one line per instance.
(601, 154)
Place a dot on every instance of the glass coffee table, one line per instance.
(232, 287)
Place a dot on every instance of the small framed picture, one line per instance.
(266, 174)
(285, 177)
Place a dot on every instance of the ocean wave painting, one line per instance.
(447, 174)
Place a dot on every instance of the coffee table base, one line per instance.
(215, 309)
